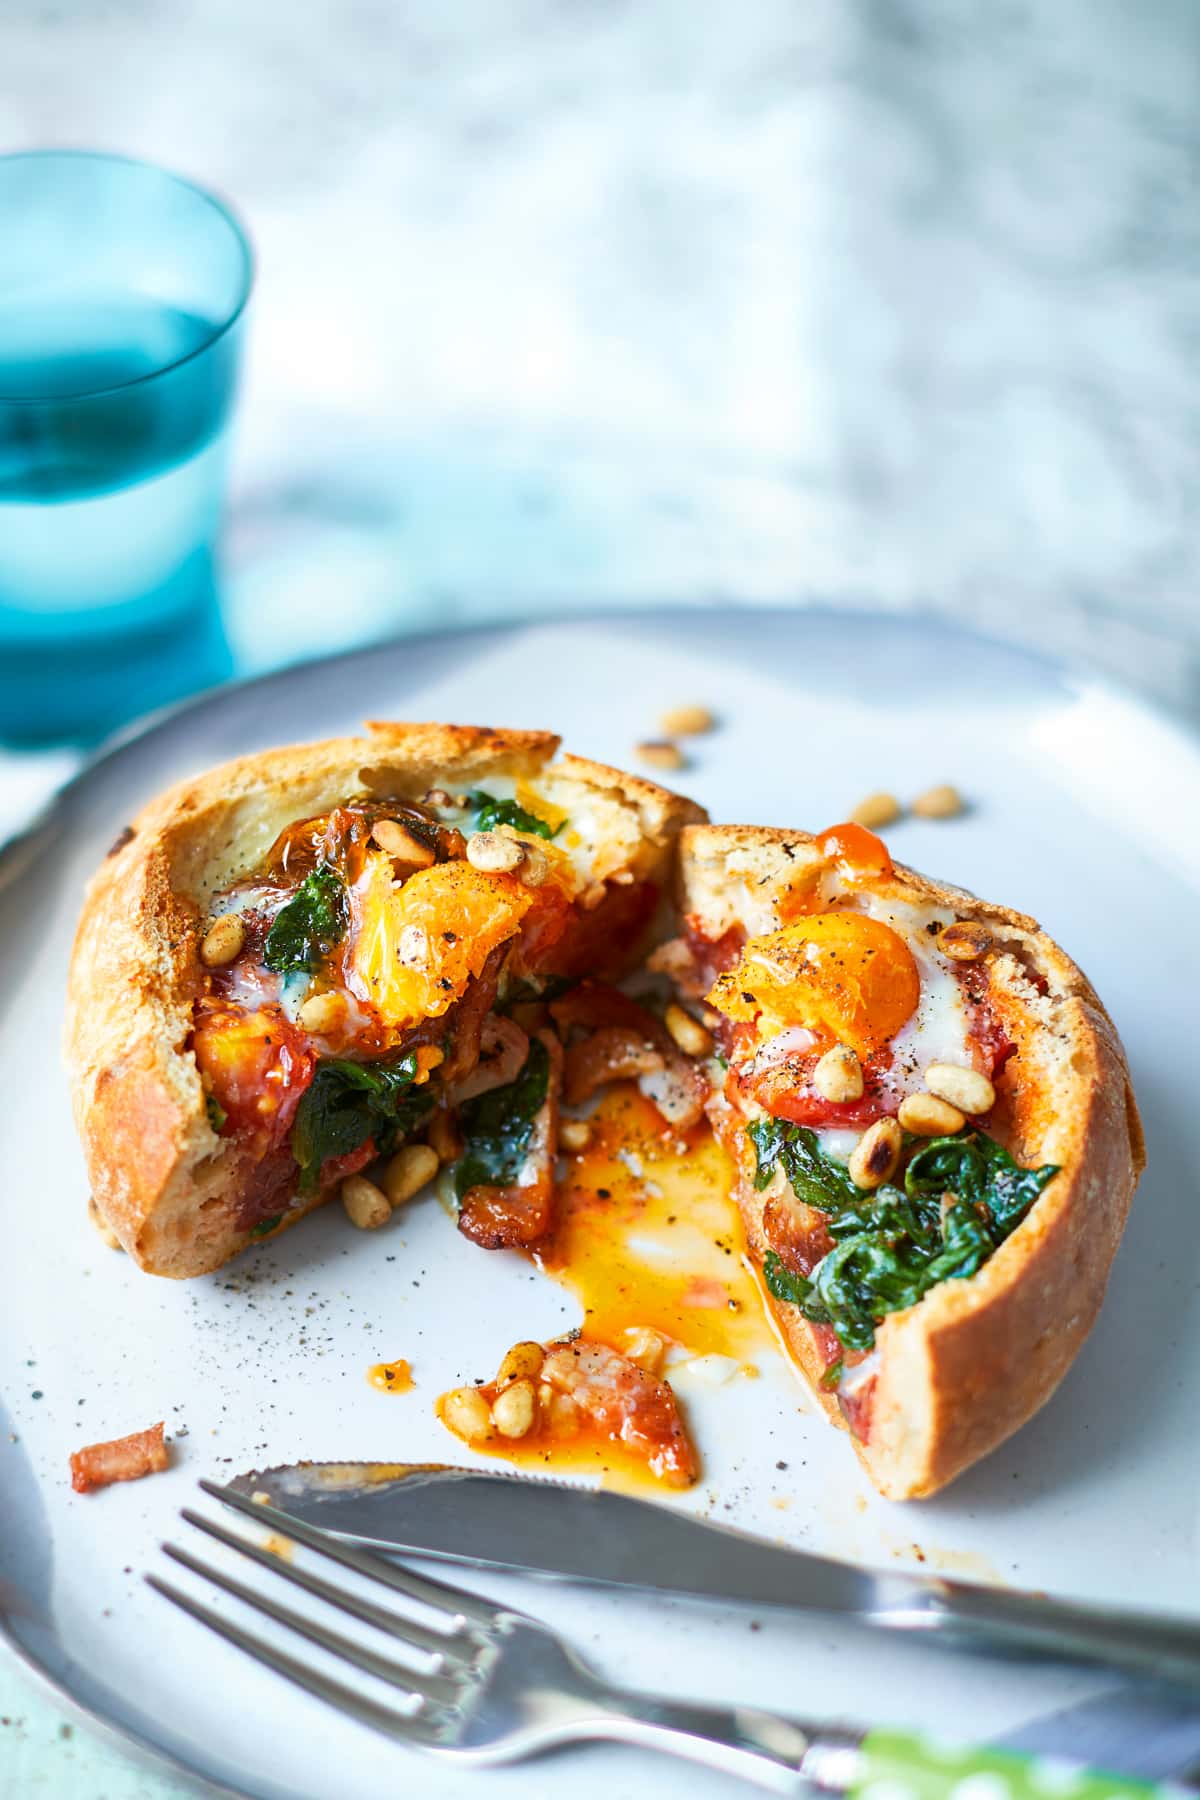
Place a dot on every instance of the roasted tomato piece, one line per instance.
(256, 1065)
(602, 940)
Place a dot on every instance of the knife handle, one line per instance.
(998, 1620)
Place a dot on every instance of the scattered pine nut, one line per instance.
(876, 809)
(514, 1410)
(967, 1089)
(521, 1363)
(943, 802)
(466, 1412)
(660, 754)
(686, 721)
(534, 865)
(403, 844)
(574, 1134)
(928, 1116)
(874, 1160)
(688, 1033)
(366, 1206)
(838, 1076)
(105, 1230)
(965, 941)
(494, 853)
(443, 1137)
(322, 1013)
(222, 941)
(646, 1347)
(408, 1172)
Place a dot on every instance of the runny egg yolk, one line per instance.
(847, 977)
(416, 946)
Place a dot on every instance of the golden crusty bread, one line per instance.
(963, 1369)
(160, 1177)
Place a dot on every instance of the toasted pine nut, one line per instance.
(439, 797)
(513, 1411)
(322, 1013)
(466, 1412)
(443, 1137)
(408, 1172)
(494, 853)
(593, 896)
(105, 1230)
(928, 1116)
(877, 809)
(838, 1076)
(623, 878)
(646, 1348)
(874, 1161)
(967, 1089)
(402, 843)
(965, 941)
(574, 1134)
(222, 941)
(366, 1205)
(686, 721)
(521, 1363)
(942, 802)
(534, 865)
(687, 1032)
(660, 754)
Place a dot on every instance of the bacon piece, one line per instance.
(506, 1218)
(856, 1392)
(121, 1459)
(994, 1044)
(624, 1402)
(463, 1024)
(796, 1233)
(627, 1041)
(503, 1047)
(613, 1053)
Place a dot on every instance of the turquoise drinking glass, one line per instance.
(123, 292)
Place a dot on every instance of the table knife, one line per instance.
(494, 1520)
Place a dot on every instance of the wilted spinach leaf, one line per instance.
(490, 812)
(265, 1225)
(815, 1178)
(349, 1102)
(309, 925)
(962, 1197)
(497, 1126)
(216, 1112)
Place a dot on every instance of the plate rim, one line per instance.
(20, 853)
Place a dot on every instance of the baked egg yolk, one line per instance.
(847, 977)
(416, 946)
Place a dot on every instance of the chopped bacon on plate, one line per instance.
(122, 1459)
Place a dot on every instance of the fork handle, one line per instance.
(775, 1753)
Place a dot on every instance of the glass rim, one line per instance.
(220, 206)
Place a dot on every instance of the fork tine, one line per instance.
(441, 1595)
(413, 1730)
(428, 1687)
(442, 1644)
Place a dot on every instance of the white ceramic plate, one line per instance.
(1083, 813)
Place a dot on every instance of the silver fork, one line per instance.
(497, 1685)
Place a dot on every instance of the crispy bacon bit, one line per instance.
(122, 1459)
(503, 1047)
(505, 1218)
(627, 1042)
(625, 1403)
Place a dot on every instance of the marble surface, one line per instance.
(566, 303)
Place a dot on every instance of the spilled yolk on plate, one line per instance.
(846, 976)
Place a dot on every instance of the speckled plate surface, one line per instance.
(1080, 802)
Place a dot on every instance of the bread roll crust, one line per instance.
(972, 1361)
(159, 1174)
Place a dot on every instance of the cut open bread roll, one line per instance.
(406, 945)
